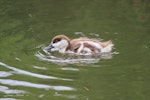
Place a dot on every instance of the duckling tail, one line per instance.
(104, 44)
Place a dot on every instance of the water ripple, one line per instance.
(5, 74)
(62, 95)
(34, 85)
(6, 90)
(8, 99)
(72, 59)
(70, 69)
(19, 71)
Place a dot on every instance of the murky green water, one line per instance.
(26, 26)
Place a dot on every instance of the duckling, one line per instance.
(79, 46)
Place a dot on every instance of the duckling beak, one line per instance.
(49, 47)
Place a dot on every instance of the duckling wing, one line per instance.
(85, 45)
(90, 45)
(75, 47)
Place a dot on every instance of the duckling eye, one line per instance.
(56, 40)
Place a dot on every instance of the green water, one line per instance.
(26, 26)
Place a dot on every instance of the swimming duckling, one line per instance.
(81, 45)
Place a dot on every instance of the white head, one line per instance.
(59, 43)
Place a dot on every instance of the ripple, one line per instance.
(80, 33)
(19, 71)
(41, 68)
(69, 68)
(66, 96)
(6, 90)
(34, 85)
(8, 99)
(5, 74)
(71, 58)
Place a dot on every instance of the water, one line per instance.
(27, 72)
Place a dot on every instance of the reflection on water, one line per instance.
(66, 96)
(72, 59)
(19, 71)
(69, 68)
(37, 67)
(29, 84)
(6, 90)
(8, 99)
(5, 74)
(11, 82)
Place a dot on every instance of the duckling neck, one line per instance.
(65, 49)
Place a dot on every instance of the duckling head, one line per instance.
(59, 43)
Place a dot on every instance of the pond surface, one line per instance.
(26, 72)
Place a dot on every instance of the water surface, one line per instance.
(27, 26)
